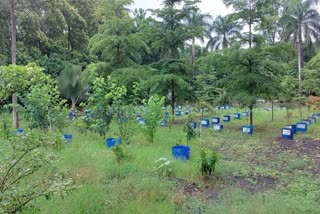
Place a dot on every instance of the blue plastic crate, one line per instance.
(226, 118)
(205, 123)
(142, 121)
(217, 127)
(313, 119)
(166, 114)
(87, 113)
(67, 138)
(293, 127)
(307, 121)
(177, 113)
(164, 123)
(215, 120)
(245, 114)
(247, 130)
(20, 131)
(193, 125)
(111, 142)
(286, 134)
(302, 127)
(181, 152)
(236, 116)
(70, 115)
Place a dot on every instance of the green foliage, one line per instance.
(104, 95)
(171, 32)
(123, 113)
(311, 81)
(72, 84)
(174, 74)
(153, 114)
(4, 125)
(118, 44)
(303, 187)
(208, 162)
(28, 171)
(189, 130)
(255, 73)
(131, 77)
(298, 164)
(18, 79)
(164, 167)
(52, 64)
(83, 125)
(124, 119)
(225, 29)
(43, 107)
(120, 153)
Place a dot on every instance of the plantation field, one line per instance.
(255, 174)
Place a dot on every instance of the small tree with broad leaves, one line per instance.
(28, 170)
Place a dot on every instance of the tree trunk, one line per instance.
(193, 56)
(250, 25)
(272, 110)
(300, 54)
(73, 105)
(172, 99)
(299, 60)
(13, 37)
(15, 115)
(251, 115)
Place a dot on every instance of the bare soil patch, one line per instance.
(255, 184)
(193, 189)
(305, 146)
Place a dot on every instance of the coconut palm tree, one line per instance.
(223, 29)
(301, 23)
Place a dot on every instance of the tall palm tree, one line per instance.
(301, 25)
(198, 23)
(223, 29)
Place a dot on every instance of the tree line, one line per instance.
(256, 52)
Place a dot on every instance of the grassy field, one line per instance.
(256, 174)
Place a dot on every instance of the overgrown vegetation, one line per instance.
(125, 66)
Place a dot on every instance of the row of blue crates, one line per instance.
(197, 109)
(288, 132)
(219, 127)
(66, 137)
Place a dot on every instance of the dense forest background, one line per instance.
(265, 49)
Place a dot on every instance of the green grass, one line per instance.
(106, 186)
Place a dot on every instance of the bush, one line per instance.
(27, 171)
(120, 154)
(164, 167)
(43, 107)
(208, 163)
(153, 115)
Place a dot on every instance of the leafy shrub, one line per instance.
(153, 115)
(208, 162)
(164, 167)
(105, 94)
(27, 171)
(189, 130)
(43, 107)
(120, 154)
